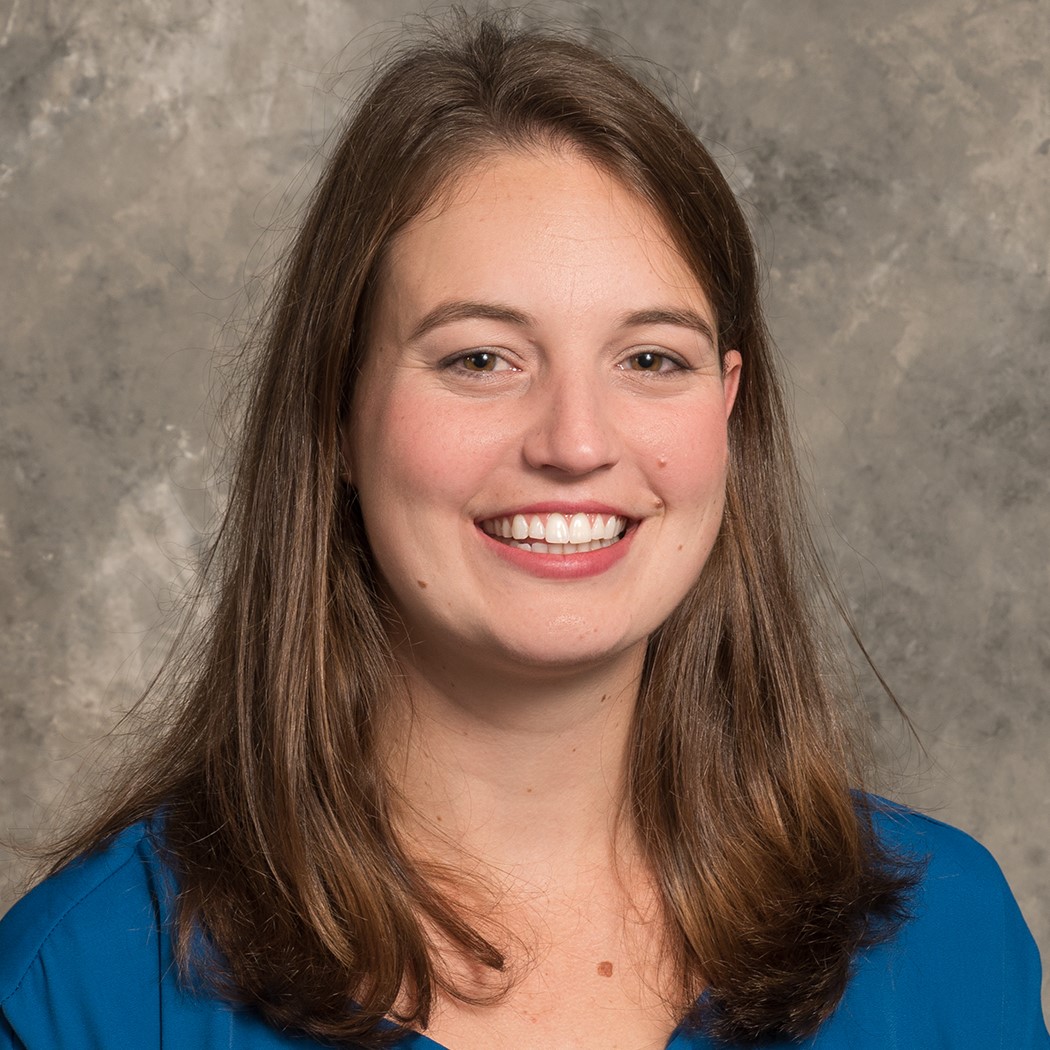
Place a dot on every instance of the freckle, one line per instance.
(422, 584)
(528, 791)
(679, 546)
(605, 969)
(439, 820)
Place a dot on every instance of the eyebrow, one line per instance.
(469, 309)
(680, 318)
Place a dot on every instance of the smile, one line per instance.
(556, 533)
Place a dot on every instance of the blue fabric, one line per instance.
(86, 963)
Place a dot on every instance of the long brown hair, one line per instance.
(275, 808)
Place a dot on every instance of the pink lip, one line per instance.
(562, 566)
(560, 507)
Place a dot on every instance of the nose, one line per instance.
(574, 430)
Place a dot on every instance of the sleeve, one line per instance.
(1014, 975)
(1030, 1021)
(87, 963)
(8, 1039)
(968, 969)
(80, 960)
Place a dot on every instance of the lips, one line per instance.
(556, 533)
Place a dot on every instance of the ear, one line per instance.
(732, 366)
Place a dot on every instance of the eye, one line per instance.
(652, 361)
(480, 361)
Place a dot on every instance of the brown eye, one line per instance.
(651, 361)
(480, 361)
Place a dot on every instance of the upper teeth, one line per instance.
(556, 528)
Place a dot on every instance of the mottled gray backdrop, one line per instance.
(895, 156)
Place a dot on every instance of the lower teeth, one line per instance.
(538, 547)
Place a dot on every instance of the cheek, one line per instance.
(414, 451)
(691, 460)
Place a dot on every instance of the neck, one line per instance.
(520, 773)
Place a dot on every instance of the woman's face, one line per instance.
(538, 437)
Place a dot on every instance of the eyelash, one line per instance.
(460, 362)
(677, 365)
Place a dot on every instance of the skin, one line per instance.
(583, 379)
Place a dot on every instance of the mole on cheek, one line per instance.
(422, 584)
(605, 969)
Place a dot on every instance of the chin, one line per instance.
(567, 655)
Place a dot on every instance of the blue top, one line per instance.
(86, 963)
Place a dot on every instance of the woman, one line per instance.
(510, 725)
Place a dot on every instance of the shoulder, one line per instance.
(94, 890)
(962, 969)
(951, 859)
(962, 894)
(86, 961)
(94, 926)
(959, 876)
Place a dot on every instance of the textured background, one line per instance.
(896, 159)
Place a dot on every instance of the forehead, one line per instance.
(516, 222)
